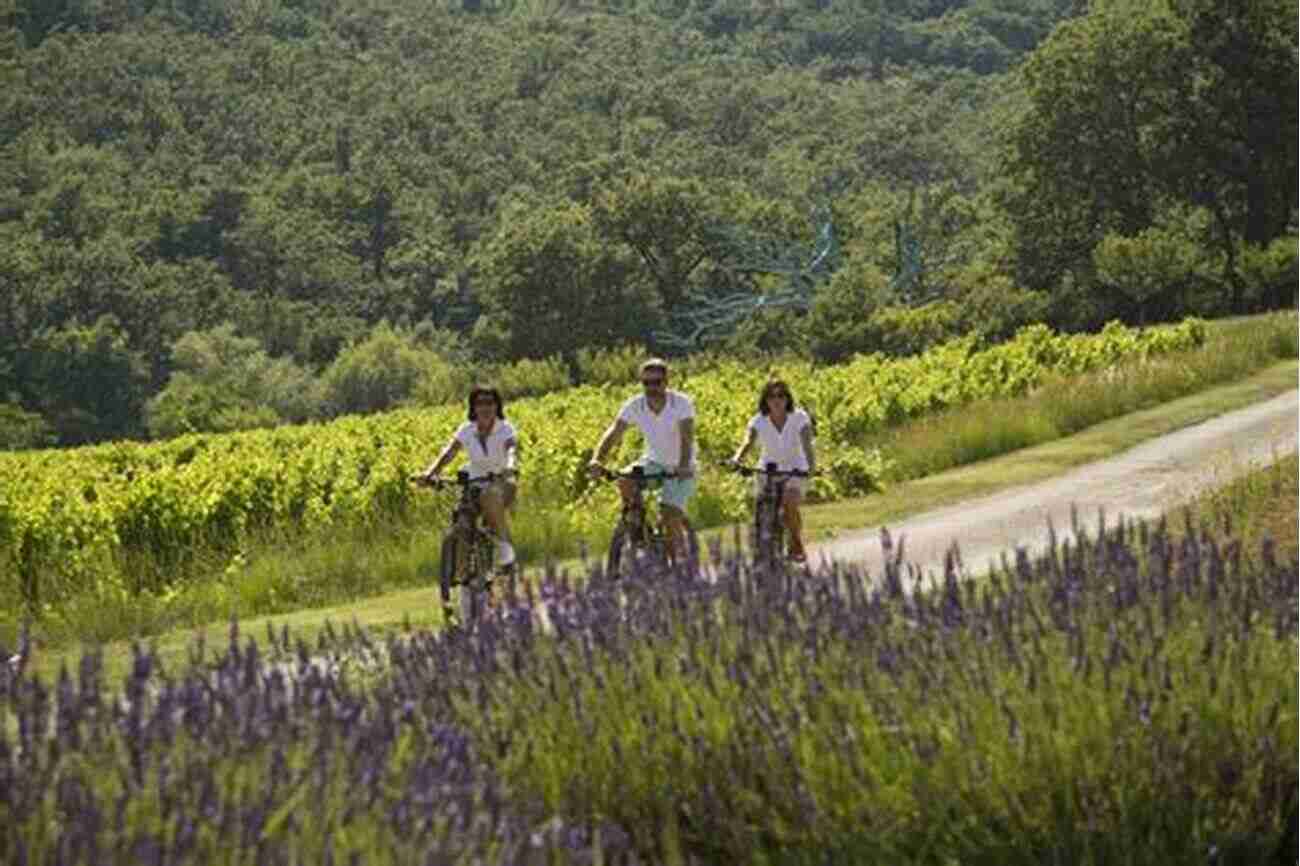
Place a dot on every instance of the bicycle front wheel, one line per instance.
(449, 571)
(619, 554)
(769, 536)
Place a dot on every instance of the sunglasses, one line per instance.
(781, 395)
(485, 401)
(652, 383)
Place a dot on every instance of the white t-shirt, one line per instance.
(484, 461)
(783, 447)
(663, 435)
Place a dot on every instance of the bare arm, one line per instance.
(806, 436)
(613, 436)
(443, 459)
(512, 455)
(687, 428)
(750, 435)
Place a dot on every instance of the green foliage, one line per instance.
(86, 380)
(1270, 273)
(380, 372)
(912, 330)
(1154, 273)
(553, 287)
(839, 322)
(300, 169)
(1137, 108)
(21, 429)
(224, 382)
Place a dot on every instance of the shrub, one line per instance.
(1270, 273)
(22, 429)
(379, 372)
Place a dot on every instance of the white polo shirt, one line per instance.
(663, 436)
(492, 458)
(783, 447)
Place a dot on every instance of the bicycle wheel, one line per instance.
(477, 583)
(692, 551)
(449, 573)
(768, 540)
(614, 560)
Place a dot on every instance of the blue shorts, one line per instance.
(675, 491)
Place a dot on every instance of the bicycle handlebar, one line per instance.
(462, 479)
(770, 469)
(636, 473)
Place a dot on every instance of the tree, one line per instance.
(664, 220)
(552, 285)
(87, 381)
(1138, 107)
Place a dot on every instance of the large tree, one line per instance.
(552, 285)
(1139, 106)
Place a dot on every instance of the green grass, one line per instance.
(1259, 504)
(1063, 406)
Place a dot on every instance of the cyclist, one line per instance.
(666, 419)
(489, 440)
(786, 435)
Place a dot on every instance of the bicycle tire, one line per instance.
(477, 586)
(614, 558)
(769, 535)
(692, 551)
(448, 571)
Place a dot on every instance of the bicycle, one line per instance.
(467, 550)
(768, 539)
(634, 533)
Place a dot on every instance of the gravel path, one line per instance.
(1139, 483)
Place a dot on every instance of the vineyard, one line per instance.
(74, 519)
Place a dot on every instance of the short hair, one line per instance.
(772, 385)
(492, 392)
(656, 364)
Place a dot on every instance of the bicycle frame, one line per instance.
(634, 529)
(466, 559)
(769, 529)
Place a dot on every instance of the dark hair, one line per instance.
(771, 386)
(492, 392)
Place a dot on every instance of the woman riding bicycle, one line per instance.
(490, 442)
(786, 435)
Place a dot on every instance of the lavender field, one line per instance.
(1131, 699)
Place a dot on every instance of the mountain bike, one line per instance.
(635, 534)
(468, 549)
(767, 538)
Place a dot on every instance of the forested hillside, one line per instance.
(234, 213)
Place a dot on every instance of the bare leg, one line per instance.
(793, 520)
(675, 523)
(494, 503)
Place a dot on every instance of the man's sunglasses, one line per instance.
(652, 383)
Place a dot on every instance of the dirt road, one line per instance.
(1139, 483)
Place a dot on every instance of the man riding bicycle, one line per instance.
(492, 447)
(666, 419)
(786, 436)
